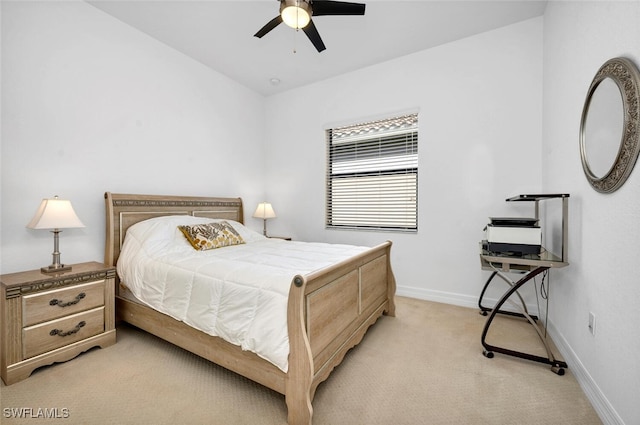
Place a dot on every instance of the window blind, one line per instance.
(372, 175)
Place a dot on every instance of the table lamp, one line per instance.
(55, 214)
(264, 211)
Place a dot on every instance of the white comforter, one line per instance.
(238, 293)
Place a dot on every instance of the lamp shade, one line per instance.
(264, 211)
(295, 13)
(55, 213)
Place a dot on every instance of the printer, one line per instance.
(513, 235)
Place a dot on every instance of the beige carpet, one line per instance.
(424, 366)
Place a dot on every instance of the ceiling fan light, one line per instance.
(295, 13)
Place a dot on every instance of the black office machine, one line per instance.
(517, 235)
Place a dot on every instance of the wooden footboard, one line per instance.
(329, 311)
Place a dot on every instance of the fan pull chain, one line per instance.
(295, 35)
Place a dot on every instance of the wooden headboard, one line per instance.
(124, 210)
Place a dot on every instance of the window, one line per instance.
(372, 175)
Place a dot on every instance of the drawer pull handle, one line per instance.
(76, 300)
(58, 332)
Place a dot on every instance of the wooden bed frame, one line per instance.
(329, 311)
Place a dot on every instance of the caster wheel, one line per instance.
(557, 370)
(483, 313)
(488, 354)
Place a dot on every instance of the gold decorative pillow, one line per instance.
(211, 235)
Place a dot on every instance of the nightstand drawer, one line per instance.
(49, 305)
(48, 336)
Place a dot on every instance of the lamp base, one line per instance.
(55, 268)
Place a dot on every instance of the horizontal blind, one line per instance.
(372, 175)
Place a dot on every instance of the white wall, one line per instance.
(480, 115)
(604, 229)
(91, 105)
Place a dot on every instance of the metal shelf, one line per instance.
(531, 265)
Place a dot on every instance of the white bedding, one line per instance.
(238, 293)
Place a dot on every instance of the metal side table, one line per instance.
(530, 265)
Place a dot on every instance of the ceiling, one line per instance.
(219, 34)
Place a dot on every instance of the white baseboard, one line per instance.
(603, 408)
(454, 299)
(437, 296)
(598, 400)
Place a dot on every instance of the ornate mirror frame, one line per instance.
(627, 77)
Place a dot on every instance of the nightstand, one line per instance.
(48, 318)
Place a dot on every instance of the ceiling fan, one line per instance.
(297, 14)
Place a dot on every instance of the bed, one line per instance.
(328, 310)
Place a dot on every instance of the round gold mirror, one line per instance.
(609, 128)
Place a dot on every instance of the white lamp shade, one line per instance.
(55, 214)
(264, 211)
(295, 13)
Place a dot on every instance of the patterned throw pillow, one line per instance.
(211, 235)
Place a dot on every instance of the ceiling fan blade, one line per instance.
(314, 36)
(270, 25)
(328, 7)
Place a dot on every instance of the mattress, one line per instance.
(239, 292)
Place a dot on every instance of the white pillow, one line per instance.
(164, 230)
